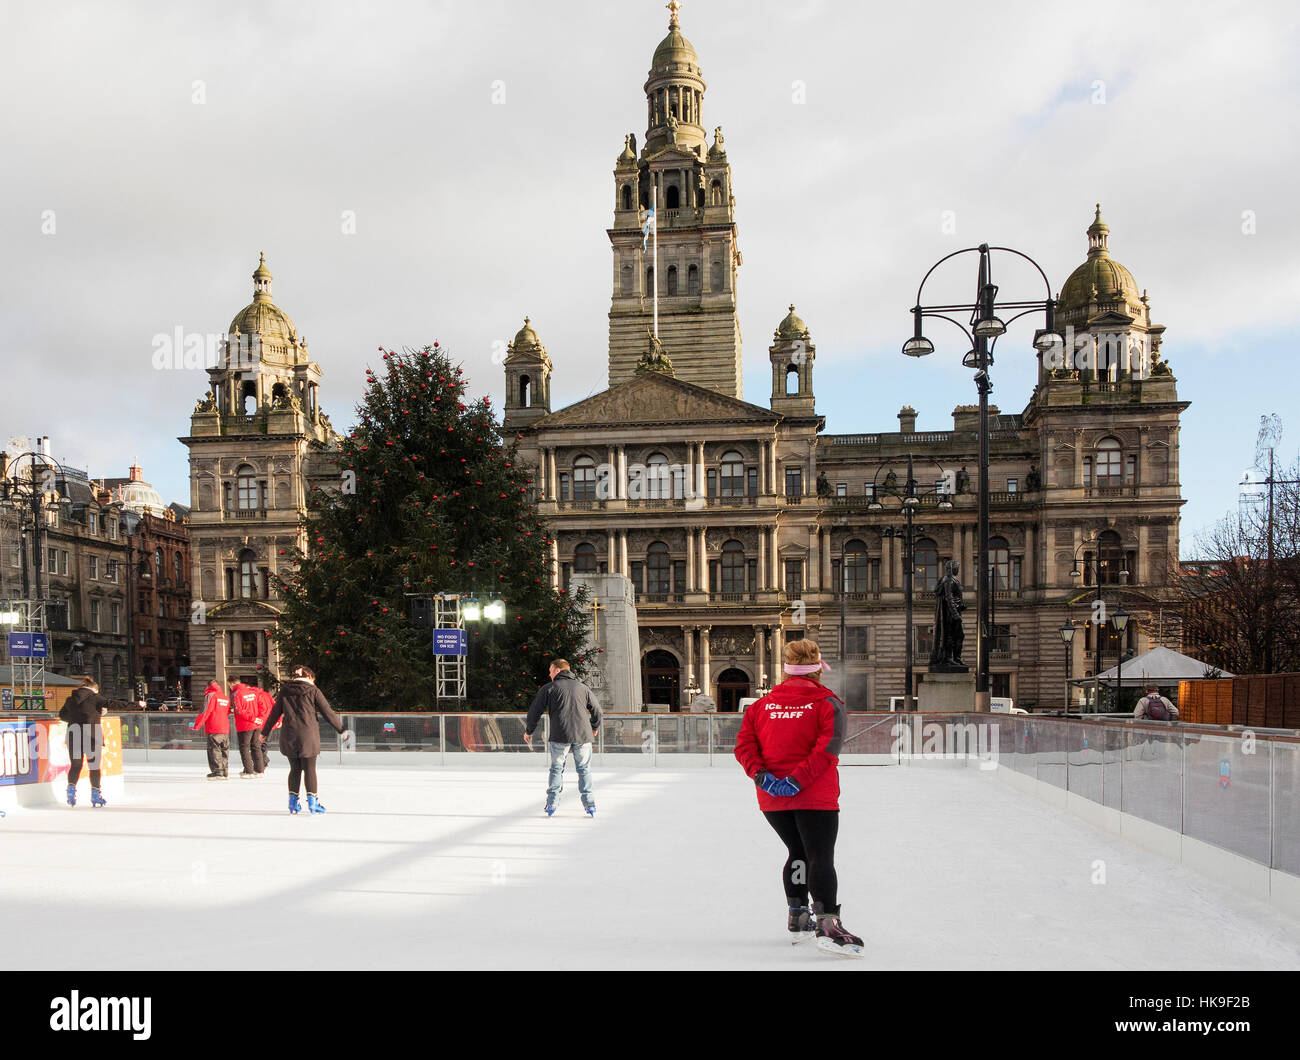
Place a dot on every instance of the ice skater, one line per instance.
(789, 745)
(297, 705)
(83, 713)
(575, 720)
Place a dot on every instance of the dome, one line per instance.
(674, 48)
(265, 318)
(141, 497)
(527, 337)
(1100, 279)
(792, 327)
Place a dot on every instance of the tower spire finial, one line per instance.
(673, 8)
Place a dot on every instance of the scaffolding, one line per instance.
(25, 619)
(449, 670)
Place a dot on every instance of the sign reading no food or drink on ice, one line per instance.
(449, 642)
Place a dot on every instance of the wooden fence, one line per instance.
(1267, 701)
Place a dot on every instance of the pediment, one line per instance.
(1110, 318)
(654, 398)
(672, 153)
(244, 609)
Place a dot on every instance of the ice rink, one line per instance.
(457, 867)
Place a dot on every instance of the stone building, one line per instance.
(158, 538)
(742, 526)
(258, 442)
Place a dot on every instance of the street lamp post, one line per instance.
(911, 500)
(1120, 620)
(1067, 635)
(21, 497)
(985, 328)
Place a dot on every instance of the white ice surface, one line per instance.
(458, 868)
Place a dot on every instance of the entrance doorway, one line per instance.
(661, 679)
(733, 686)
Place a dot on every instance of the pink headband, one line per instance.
(800, 669)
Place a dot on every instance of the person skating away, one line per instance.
(575, 720)
(298, 704)
(215, 721)
(249, 717)
(265, 704)
(83, 713)
(789, 745)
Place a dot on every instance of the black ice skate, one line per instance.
(801, 924)
(832, 937)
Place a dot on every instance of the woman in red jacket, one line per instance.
(789, 745)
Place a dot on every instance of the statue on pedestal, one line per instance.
(945, 656)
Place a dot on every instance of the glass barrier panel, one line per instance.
(135, 731)
(1152, 784)
(670, 733)
(1227, 794)
(1112, 772)
(1052, 740)
(1286, 798)
(877, 734)
(725, 729)
(1084, 748)
(626, 734)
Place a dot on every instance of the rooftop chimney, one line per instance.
(907, 420)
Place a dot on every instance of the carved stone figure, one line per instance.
(949, 634)
(1033, 481)
(207, 403)
(963, 480)
(823, 485)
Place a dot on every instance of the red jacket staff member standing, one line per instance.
(789, 745)
(249, 717)
(215, 721)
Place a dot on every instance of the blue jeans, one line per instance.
(581, 759)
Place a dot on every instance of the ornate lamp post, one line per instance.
(1120, 621)
(1067, 635)
(910, 498)
(985, 328)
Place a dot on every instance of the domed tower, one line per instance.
(688, 183)
(792, 354)
(1107, 321)
(528, 379)
(259, 445)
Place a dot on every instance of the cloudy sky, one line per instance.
(152, 149)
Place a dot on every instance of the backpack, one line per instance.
(1156, 709)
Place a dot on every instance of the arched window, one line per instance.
(1000, 562)
(645, 200)
(732, 478)
(650, 280)
(672, 197)
(1110, 554)
(97, 669)
(658, 477)
(658, 569)
(715, 193)
(584, 558)
(247, 574)
(733, 567)
(672, 279)
(791, 379)
(525, 386)
(246, 493)
(693, 279)
(926, 558)
(180, 568)
(158, 562)
(716, 278)
(628, 281)
(1109, 462)
(855, 567)
(584, 479)
(627, 196)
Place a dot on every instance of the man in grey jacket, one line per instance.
(575, 720)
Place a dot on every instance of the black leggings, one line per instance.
(809, 836)
(84, 742)
(299, 766)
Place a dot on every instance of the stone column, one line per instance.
(690, 560)
(552, 484)
(825, 573)
(611, 552)
(760, 662)
(622, 553)
(1143, 572)
(774, 560)
(775, 649)
(702, 563)
(688, 634)
(762, 558)
(705, 677)
(612, 471)
(621, 472)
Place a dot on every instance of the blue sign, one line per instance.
(29, 645)
(450, 642)
(18, 759)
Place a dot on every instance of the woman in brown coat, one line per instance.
(298, 704)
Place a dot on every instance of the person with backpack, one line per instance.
(789, 745)
(1155, 707)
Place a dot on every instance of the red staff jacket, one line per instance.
(796, 731)
(215, 719)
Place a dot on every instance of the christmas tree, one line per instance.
(430, 500)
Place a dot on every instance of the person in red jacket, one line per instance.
(215, 721)
(265, 704)
(789, 745)
(249, 716)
